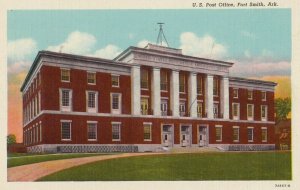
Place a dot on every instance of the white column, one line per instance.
(209, 98)
(174, 96)
(135, 90)
(155, 91)
(192, 92)
(224, 98)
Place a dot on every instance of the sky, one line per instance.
(257, 41)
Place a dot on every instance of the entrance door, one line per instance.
(185, 136)
(144, 106)
(167, 135)
(203, 136)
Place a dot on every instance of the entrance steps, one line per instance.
(193, 149)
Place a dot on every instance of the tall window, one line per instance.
(181, 83)
(250, 134)
(144, 79)
(264, 134)
(65, 75)
(65, 99)
(163, 81)
(236, 111)
(236, 134)
(199, 85)
(263, 95)
(216, 87)
(264, 112)
(199, 109)
(65, 130)
(250, 111)
(182, 108)
(115, 80)
(144, 106)
(164, 107)
(147, 131)
(92, 102)
(235, 93)
(91, 78)
(250, 94)
(92, 131)
(218, 133)
(116, 131)
(116, 103)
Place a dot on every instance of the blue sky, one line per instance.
(253, 35)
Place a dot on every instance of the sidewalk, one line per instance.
(32, 172)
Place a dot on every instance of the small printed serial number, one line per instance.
(282, 185)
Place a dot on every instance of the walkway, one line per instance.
(32, 172)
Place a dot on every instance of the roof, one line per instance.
(253, 81)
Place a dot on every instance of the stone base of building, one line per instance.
(96, 148)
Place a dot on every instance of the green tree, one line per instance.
(11, 139)
(282, 108)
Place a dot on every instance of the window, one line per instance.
(250, 94)
(65, 75)
(144, 106)
(164, 107)
(216, 87)
(264, 112)
(92, 131)
(236, 134)
(199, 85)
(199, 109)
(91, 78)
(181, 83)
(264, 134)
(182, 108)
(263, 95)
(116, 129)
(147, 131)
(92, 103)
(218, 133)
(144, 79)
(236, 111)
(250, 108)
(66, 130)
(216, 110)
(115, 80)
(163, 81)
(116, 103)
(250, 134)
(65, 99)
(235, 93)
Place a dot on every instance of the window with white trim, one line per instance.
(65, 130)
(65, 99)
(264, 112)
(199, 109)
(250, 111)
(250, 134)
(92, 101)
(163, 81)
(182, 108)
(144, 79)
(218, 133)
(91, 78)
(181, 82)
(147, 131)
(236, 133)
(250, 94)
(92, 131)
(116, 131)
(236, 111)
(164, 107)
(264, 134)
(199, 85)
(115, 103)
(115, 80)
(263, 95)
(235, 93)
(65, 75)
(215, 86)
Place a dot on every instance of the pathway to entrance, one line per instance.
(32, 172)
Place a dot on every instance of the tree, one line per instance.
(282, 108)
(11, 139)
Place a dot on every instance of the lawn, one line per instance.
(23, 159)
(200, 166)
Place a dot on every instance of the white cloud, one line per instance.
(205, 46)
(77, 43)
(18, 67)
(108, 52)
(21, 49)
(248, 34)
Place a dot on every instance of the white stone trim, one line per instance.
(224, 97)
(192, 93)
(135, 90)
(174, 95)
(209, 96)
(155, 91)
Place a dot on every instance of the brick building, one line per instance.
(143, 100)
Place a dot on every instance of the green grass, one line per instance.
(201, 166)
(23, 159)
